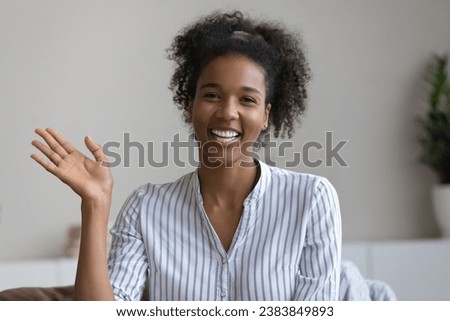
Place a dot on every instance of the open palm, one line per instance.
(89, 178)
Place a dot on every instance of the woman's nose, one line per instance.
(228, 110)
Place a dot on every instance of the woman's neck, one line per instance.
(227, 185)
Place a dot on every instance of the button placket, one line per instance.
(223, 286)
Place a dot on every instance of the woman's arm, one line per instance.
(92, 279)
(92, 181)
(319, 274)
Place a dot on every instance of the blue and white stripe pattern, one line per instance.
(287, 245)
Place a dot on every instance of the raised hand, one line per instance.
(91, 179)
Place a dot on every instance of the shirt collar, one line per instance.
(261, 185)
(255, 194)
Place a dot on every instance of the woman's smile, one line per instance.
(225, 135)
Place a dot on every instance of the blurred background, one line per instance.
(98, 68)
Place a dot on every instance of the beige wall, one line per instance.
(98, 68)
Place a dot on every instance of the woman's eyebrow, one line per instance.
(210, 84)
(246, 88)
(251, 89)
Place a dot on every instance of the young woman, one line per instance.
(234, 229)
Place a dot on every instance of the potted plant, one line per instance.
(436, 138)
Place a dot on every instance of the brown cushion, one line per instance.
(62, 293)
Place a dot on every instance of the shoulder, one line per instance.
(153, 192)
(308, 189)
(150, 189)
(306, 180)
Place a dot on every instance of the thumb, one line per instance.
(95, 149)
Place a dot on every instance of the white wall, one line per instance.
(98, 68)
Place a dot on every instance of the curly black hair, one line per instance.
(279, 52)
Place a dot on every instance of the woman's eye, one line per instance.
(211, 96)
(249, 100)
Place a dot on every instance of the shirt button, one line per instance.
(223, 294)
(224, 261)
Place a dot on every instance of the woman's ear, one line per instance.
(266, 116)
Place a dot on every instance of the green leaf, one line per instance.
(436, 123)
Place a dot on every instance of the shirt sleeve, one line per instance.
(127, 260)
(319, 270)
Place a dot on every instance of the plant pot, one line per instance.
(441, 207)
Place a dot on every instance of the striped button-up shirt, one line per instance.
(286, 247)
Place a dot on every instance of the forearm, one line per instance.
(92, 278)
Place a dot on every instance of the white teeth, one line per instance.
(225, 133)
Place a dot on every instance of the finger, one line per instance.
(52, 155)
(49, 166)
(95, 149)
(61, 140)
(51, 142)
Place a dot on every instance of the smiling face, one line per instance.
(228, 111)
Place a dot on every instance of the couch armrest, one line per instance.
(62, 293)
